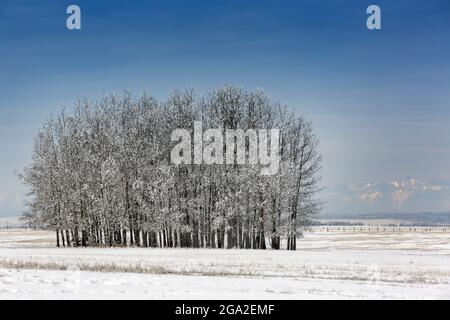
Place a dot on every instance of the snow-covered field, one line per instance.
(330, 263)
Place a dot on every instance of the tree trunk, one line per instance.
(62, 238)
(124, 237)
(68, 238)
(57, 238)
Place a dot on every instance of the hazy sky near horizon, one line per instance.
(379, 100)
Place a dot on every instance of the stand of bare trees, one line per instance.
(103, 176)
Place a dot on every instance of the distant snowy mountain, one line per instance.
(407, 195)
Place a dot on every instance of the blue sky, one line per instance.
(379, 100)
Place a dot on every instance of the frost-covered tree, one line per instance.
(102, 175)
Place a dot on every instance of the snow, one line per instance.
(44, 284)
(332, 265)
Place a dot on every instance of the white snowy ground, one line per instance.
(331, 265)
